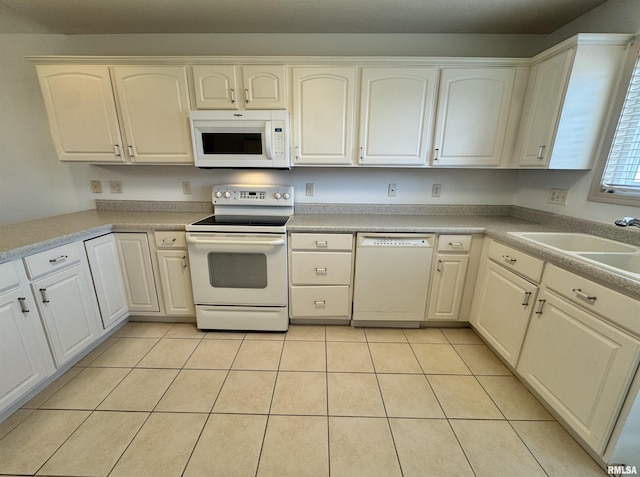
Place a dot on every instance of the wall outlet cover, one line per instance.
(115, 187)
(435, 190)
(96, 187)
(558, 196)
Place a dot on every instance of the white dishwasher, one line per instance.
(391, 280)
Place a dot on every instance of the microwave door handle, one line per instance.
(267, 139)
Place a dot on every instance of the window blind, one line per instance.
(622, 171)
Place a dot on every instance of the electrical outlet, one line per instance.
(435, 190)
(96, 187)
(186, 187)
(115, 187)
(558, 196)
(392, 190)
(311, 188)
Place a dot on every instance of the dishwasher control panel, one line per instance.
(382, 241)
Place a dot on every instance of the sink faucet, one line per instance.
(626, 221)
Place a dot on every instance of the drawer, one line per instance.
(322, 241)
(320, 302)
(170, 239)
(454, 243)
(49, 261)
(8, 276)
(517, 261)
(320, 268)
(617, 308)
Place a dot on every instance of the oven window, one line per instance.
(237, 270)
(232, 143)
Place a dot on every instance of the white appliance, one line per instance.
(237, 139)
(238, 259)
(391, 278)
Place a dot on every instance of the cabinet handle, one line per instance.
(58, 259)
(435, 155)
(246, 96)
(23, 306)
(233, 95)
(540, 151)
(45, 298)
(540, 307)
(438, 268)
(184, 261)
(168, 240)
(507, 258)
(456, 244)
(116, 150)
(297, 153)
(527, 297)
(321, 271)
(131, 151)
(321, 244)
(580, 294)
(320, 302)
(361, 153)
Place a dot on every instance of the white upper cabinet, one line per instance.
(567, 101)
(477, 111)
(239, 87)
(396, 114)
(322, 115)
(137, 114)
(154, 106)
(82, 112)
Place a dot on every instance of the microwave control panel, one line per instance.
(278, 136)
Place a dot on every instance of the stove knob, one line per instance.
(227, 194)
(218, 194)
(277, 196)
(286, 196)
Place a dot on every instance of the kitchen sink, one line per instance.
(628, 262)
(575, 242)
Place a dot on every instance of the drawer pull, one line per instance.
(169, 240)
(45, 297)
(510, 260)
(456, 244)
(321, 271)
(320, 303)
(321, 243)
(540, 307)
(184, 261)
(23, 306)
(580, 294)
(58, 259)
(527, 297)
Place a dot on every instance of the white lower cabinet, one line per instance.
(580, 365)
(137, 271)
(175, 274)
(25, 359)
(107, 279)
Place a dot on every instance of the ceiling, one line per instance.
(289, 16)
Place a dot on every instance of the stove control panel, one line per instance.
(257, 195)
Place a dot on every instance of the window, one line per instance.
(618, 178)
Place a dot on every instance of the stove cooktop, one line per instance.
(237, 220)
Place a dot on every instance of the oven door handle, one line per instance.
(232, 241)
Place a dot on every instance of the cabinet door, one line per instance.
(175, 278)
(473, 113)
(107, 279)
(447, 286)
(82, 112)
(25, 359)
(154, 107)
(215, 86)
(323, 115)
(581, 366)
(264, 86)
(396, 114)
(505, 305)
(69, 311)
(543, 102)
(137, 272)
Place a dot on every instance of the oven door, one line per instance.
(238, 269)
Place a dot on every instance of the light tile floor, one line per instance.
(160, 399)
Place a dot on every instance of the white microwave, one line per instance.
(254, 139)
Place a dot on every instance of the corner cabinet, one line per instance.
(396, 116)
(567, 102)
(119, 114)
(134, 256)
(323, 115)
(478, 109)
(239, 86)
